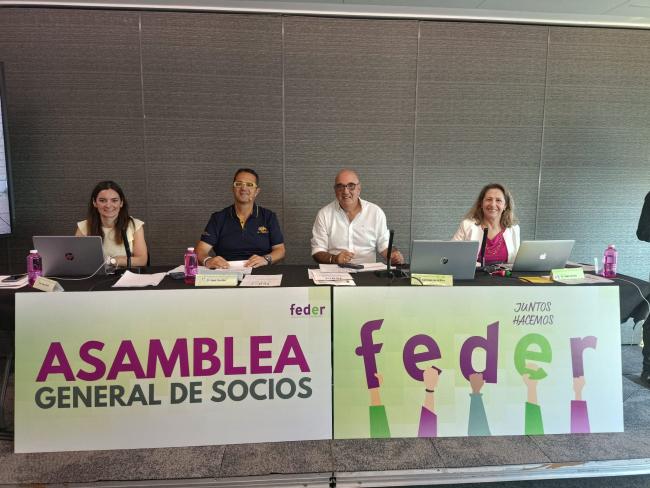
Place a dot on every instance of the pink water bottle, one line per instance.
(191, 266)
(609, 261)
(34, 266)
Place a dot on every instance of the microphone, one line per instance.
(482, 252)
(389, 272)
(389, 251)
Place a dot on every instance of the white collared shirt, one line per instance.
(365, 236)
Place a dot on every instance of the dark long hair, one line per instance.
(95, 220)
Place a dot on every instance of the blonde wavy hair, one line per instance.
(507, 217)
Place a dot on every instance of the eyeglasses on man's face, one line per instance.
(349, 186)
(242, 184)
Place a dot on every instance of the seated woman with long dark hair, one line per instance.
(108, 217)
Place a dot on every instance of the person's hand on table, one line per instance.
(217, 262)
(344, 257)
(255, 261)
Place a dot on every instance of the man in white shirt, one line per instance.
(350, 230)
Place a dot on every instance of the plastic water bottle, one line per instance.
(34, 266)
(609, 261)
(191, 266)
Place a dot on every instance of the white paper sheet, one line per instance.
(13, 285)
(335, 268)
(134, 280)
(336, 283)
(326, 278)
(261, 280)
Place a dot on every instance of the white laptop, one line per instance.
(542, 255)
(70, 255)
(457, 258)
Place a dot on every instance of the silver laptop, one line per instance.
(70, 255)
(542, 255)
(457, 258)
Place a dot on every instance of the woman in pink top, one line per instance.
(493, 210)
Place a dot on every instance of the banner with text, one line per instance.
(427, 362)
(165, 368)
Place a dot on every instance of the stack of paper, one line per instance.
(326, 278)
(235, 267)
(134, 280)
(335, 268)
(11, 285)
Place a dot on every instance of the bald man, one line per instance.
(350, 230)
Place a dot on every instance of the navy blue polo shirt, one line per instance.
(225, 234)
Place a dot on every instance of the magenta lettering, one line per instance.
(157, 355)
(258, 357)
(491, 347)
(97, 363)
(578, 345)
(291, 345)
(62, 366)
(257, 354)
(412, 358)
(126, 360)
(368, 350)
(205, 349)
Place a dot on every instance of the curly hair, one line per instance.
(507, 217)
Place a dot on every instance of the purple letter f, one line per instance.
(368, 349)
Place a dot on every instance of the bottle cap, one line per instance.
(33, 251)
(190, 249)
(612, 246)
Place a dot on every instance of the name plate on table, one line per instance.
(215, 280)
(46, 284)
(421, 279)
(568, 274)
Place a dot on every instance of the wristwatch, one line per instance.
(268, 258)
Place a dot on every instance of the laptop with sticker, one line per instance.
(456, 258)
(542, 256)
(70, 255)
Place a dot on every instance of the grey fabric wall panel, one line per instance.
(596, 145)
(349, 102)
(213, 103)
(170, 104)
(479, 119)
(74, 103)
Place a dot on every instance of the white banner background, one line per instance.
(111, 317)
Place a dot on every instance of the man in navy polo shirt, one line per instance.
(242, 232)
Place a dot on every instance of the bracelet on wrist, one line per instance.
(206, 260)
(429, 391)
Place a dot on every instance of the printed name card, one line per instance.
(421, 279)
(46, 284)
(568, 274)
(215, 280)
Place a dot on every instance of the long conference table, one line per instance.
(631, 303)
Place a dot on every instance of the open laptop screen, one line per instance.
(542, 255)
(70, 255)
(456, 258)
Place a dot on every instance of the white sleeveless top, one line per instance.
(111, 248)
